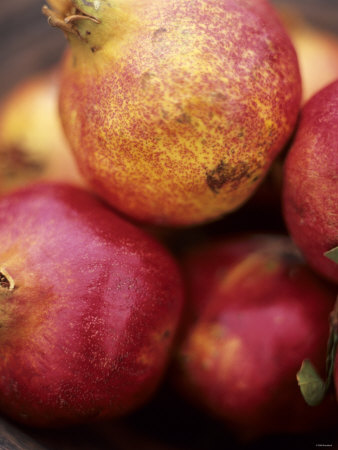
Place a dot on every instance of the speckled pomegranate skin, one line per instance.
(177, 116)
(86, 332)
(310, 192)
(257, 311)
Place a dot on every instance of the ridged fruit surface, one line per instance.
(89, 308)
(176, 109)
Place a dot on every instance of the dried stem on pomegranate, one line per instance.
(65, 15)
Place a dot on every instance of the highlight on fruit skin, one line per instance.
(310, 185)
(254, 312)
(175, 110)
(32, 143)
(89, 308)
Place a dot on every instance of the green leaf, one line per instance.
(332, 254)
(312, 387)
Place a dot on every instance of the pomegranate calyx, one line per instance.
(66, 16)
(6, 280)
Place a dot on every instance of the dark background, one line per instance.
(28, 45)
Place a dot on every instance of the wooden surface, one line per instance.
(28, 45)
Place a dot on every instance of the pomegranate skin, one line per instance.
(176, 110)
(310, 190)
(256, 312)
(32, 144)
(90, 305)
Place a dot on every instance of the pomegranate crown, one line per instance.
(65, 14)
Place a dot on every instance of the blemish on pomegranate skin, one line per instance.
(159, 35)
(217, 177)
(164, 114)
(146, 80)
(226, 174)
(218, 96)
(183, 118)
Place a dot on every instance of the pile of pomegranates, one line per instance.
(169, 217)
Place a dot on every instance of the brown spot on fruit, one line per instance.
(146, 79)
(183, 118)
(217, 177)
(164, 113)
(227, 174)
(159, 35)
(218, 96)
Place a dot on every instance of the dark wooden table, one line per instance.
(27, 45)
